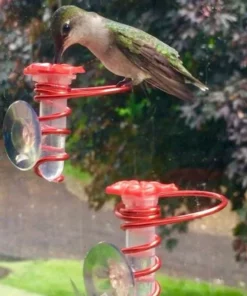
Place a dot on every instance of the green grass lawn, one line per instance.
(52, 278)
(76, 172)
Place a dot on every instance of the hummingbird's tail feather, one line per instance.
(175, 88)
(197, 83)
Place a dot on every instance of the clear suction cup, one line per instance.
(106, 272)
(22, 135)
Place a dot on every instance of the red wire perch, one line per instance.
(53, 91)
(138, 217)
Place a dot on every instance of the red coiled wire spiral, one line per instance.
(50, 92)
(145, 217)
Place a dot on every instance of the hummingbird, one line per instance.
(124, 50)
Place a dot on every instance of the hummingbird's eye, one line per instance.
(66, 29)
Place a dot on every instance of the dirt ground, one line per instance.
(43, 220)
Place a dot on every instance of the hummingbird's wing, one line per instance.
(159, 60)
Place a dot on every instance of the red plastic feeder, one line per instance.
(52, 92)
(141, 213)
(139, 207)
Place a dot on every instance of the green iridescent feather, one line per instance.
(134, 42)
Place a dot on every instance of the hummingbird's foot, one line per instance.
(125, 82)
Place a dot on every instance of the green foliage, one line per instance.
(133, 109)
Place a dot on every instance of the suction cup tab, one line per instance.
(106, 272)
(22, 135)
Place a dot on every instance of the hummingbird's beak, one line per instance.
(60, 51)
(58, 55)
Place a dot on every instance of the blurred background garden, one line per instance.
(46, 228)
